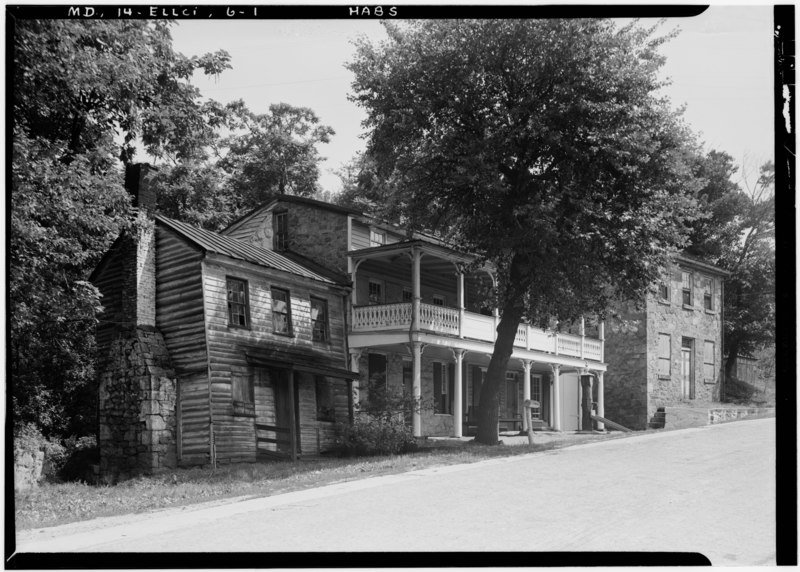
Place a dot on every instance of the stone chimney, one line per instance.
(137, 387)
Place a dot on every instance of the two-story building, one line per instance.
(416, 318)
(214, 349)
(668, 352)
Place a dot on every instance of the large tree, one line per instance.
(85, 95)
(541, 146)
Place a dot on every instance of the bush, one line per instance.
(81, 454)
(369, 436)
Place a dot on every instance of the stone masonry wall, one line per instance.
(625, 382)
(679, 321)
(137, 395)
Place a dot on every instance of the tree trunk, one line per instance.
(496, 373)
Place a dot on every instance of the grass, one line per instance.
(53, 504)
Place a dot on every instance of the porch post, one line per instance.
(460, 289)
(458, 413)
(416, 297)
(602, 332)
(353, 294)
(526, 389)
(416, 362)
(583, 336)
(355, 357)
(556, 397)
(601, 408)
(292, 418)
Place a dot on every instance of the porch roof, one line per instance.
(409, 246)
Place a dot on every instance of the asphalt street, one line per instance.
(709, 490)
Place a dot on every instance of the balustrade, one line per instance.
(444, 320)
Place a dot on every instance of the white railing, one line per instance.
(438, 319)
(444, 320)
(569, 345)
(382, 317)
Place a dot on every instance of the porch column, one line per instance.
(353, 294)
(526, 389)
(458, 414)
(292, 418)
(583, 336)
(556, 397)
(601, 408)
(602, 332)
(416, 384)
(355, 357)
(460, 291)
(416, 297)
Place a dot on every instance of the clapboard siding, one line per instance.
(247, 227)
(179, 301)
(235, 435)
(109, 281)
(194, 446)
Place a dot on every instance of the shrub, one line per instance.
(370, 435)
(81, 454)
(28, 438)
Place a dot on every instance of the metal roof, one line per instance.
(235, 248)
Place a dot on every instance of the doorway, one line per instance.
(287, 410)
(687, 368)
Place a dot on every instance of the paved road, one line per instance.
(709, 490)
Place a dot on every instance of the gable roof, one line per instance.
(290, 199)
(240, 250)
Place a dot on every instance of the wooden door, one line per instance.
(570, 401)
(287, 411)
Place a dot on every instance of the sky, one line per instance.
(720, 66)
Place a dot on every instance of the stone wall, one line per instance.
(27, 469)
(625, 381)
(672, 317)
(137, 394)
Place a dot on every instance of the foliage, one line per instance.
(539, 145)
(276, 153)
(85, 94)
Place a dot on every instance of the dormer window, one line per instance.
(377, 237)
(280, 228)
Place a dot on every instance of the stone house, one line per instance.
(667, 353)
(214, 349)
(416, 320)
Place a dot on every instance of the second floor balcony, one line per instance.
(469, 325)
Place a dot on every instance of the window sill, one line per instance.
(711, 312)
(283, 334)
(664, 377)
(709, 382)
(443, 414)
(236, 327)
(687, 307)
(664, 302)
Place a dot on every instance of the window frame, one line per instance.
(381, 285)
(664, 359)
(439, 300)
(373, 232)
(443, 399)
(712, 363)
(289, 328)
(663, 294)
(245, 304)
(708, 295)
(537, 395)
(326, 335)
(280, 237)
(687, 289)
(407, 296)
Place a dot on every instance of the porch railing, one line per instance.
(445, 320)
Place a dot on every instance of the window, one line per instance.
(536, 395)
(408, 295)
(375, 292)
(319, 320)
(326, 411)
(376, 237)
(238, 314)
(438, 300)
(686, 284)
(664, 360)
(281, 312)
(242, 395)
(663, 292)
(443, 388)
(709, 368)
(708, 294)
(408, 390)
(280, 229)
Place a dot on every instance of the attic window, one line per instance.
(280, 227)
(377, 238)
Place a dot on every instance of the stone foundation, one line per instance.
(683, 417)
(137, 404)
